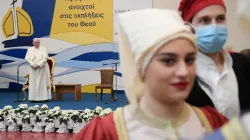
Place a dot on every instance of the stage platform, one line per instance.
(67, 102)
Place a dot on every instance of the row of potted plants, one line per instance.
(43, 119)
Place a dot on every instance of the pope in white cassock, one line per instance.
(39, 82)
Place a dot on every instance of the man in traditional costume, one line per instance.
(237, 128)
(157, 110)
(39, 78)
(223, 78)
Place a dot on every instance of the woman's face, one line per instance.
(170, 74)
(214, 14)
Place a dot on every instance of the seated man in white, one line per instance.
(39, 79)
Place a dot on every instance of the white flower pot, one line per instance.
(42, 116)
(70, 124)
(57, 123)
(50, 127)
(63, 128)
(77, 127)
(26, 127)
(84, 121)
(43, 122)
(19, 120)
(5, 118)
(32, 119)
(38, 127)
(13, 128)
(2, 126)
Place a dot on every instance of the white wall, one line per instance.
(238, 39)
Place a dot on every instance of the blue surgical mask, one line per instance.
(211, 38)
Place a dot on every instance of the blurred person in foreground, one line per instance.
(157, 54)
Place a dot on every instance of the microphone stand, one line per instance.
(18, 100)
(115, 98)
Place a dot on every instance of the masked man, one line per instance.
(237, 128)
(223, 78)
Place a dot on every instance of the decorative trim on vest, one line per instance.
(204, 121)
(234, 131)
(120, 124)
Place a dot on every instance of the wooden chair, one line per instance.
(51, 62)
(107, 76)
(245, 52)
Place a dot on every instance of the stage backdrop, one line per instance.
(80, 34)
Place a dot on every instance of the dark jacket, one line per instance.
(241, 67)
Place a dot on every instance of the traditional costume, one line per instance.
(237, 128)
(142, 33)
(228, 91)
(39, 79)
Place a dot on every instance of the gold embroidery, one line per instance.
(162, 124)
(120, 124)
(233, 130)
(156, 122)
(122, 132)
(203, 119)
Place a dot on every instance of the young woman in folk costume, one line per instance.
(223, 79)
(157, 54)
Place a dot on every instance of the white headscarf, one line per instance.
(141, 34)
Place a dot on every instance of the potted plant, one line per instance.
(38, 127)
(57, 113)
(32, 111)
(63, 124)
(2, 122)
(7, 111)
(26, 126)
(50, 127)
(97, 111)
(105, 112)
(12, 124)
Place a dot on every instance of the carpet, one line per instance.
(67, 102)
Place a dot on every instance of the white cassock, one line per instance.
(39, 82)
